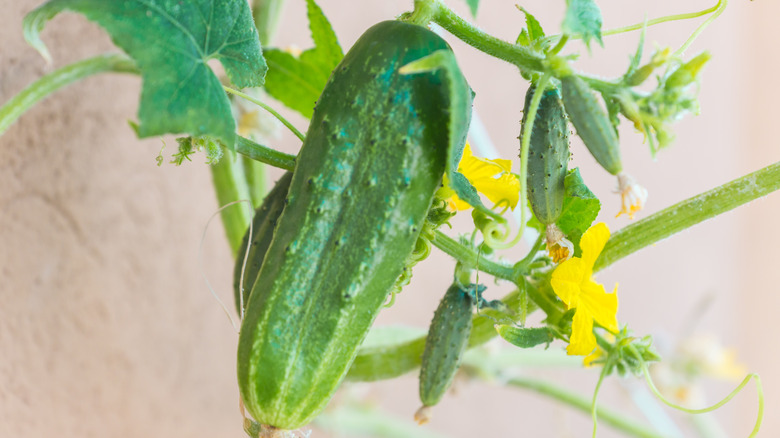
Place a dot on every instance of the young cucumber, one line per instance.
(445, 344)
(548, 156)
(263, 225)
(363, 182)
(592, 123)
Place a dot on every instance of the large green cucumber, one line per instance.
(592, 123)
(445, 344)
(374, 155)
(263, 225)
(548, 156)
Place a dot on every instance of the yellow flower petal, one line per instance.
(593, 242)
(504, 188)
(582, 341)
(600, 305)
(566, 281)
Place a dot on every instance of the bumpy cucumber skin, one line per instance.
(548, 156)
(263, 225)
(592, 123)
(445, 344)
(364, 180)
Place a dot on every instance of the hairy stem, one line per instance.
(688, 213)
(230, 184)
(263, 154)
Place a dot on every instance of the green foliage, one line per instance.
(580, 208)
(473, 5)
(533, 31)
(171, 42)
(524, 337)
(297, 82)
(583, 18)
(460, 116)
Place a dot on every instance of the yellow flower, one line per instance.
(573, 284)
(493, 178)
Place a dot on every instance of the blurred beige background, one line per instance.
(108, 329)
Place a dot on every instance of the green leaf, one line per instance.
(298, 82)
(171, 41)
(473, 5)
(580, 208)
(583, 18)
(524, 337)
(523, 39)
(460, 117)
(535, 30)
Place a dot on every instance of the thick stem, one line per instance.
(688, 213)
(469, 257)
(524, 58)
(59, 78)
(263, 154)
(230, 185)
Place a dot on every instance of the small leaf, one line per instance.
(298, 82)
(637, 58)
(535, 30)
(583, 18)
(473, 5)
(580, 208)
(171, 42)
(461, 96)
(523, 39)
(524, 337)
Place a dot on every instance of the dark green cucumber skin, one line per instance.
(364, 179)
(445, 344)
(263, 224)
(592, 123)
(548, 155)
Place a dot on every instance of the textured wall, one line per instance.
(107, 328)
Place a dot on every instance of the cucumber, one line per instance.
(592, 123)
(445, 344)
(548, 156)
(363, 182)
(263, 225)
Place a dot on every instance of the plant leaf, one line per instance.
(473, 5)
(533, 27)
(297, 82)
(171, 41)
(461, 97)
(583, 18)
(524, 337)
(580, 208)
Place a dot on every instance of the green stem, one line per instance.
(360, 420)
(660, 20)
(583, 404)
(523, 57)
(267, 108)
(254, 172)
(230, 185)
(720, 7)
(266, 14)
(59, 78)
(470, 258)
(688, 213)
(745, 381)
(263, 154)
(391, 361)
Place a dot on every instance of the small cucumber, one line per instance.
(548, 156)
(592, 123)
(263, 225)
(362, 186)
(445, 344)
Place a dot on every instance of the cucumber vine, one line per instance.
(311, 290)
